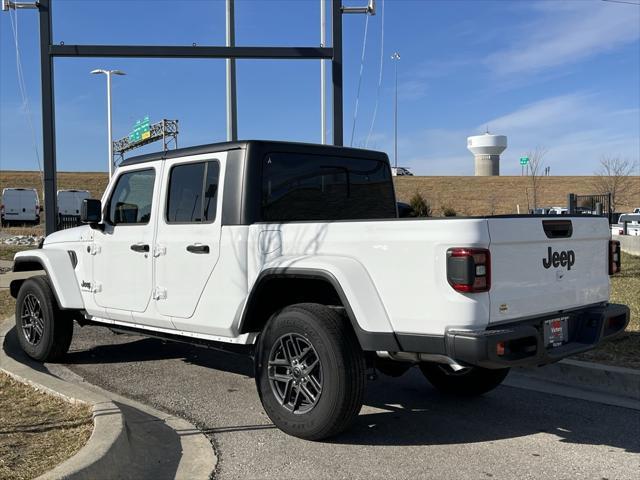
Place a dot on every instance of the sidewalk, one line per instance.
(129, 441)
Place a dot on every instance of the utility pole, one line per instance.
(396, 58)
(232, 107)
(49, 51)
(48, 119)
(323, 74)
(108, 73)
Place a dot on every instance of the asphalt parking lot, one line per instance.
(405, 430)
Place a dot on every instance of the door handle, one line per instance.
(198, 248)
(140, 247)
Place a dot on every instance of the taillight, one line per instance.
(469, 269)
(614, 257)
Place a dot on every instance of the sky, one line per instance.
(563, 75)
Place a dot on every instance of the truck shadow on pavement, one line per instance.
(410, 412)
(132, 349)
(397, 411)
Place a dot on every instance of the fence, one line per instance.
(68, 221)
(590, 205)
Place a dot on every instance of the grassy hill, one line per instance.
(497, 195)
(466, 195)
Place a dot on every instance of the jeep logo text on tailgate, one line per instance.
(566, 259)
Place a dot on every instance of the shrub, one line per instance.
(448, 211)
(420, 205)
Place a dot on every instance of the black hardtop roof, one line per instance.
(260, 145)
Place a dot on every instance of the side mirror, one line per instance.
(91, 212)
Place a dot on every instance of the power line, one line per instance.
(375, 108)
(623, 1)
(23, 91)
(364, 50)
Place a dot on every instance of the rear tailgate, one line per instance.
(544, 265)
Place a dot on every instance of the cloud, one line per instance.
(577, 129)
(565, 33)
(412, 89)
(414, 84)
(545, 114)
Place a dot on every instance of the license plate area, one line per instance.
(556, 332)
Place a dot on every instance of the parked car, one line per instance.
(558, 211)
(400, 172)
(404, 210)
(294, 255)
(630, 221)
(19, 206)
(540, 211)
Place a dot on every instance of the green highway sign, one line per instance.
(524, 160)
(141, 130)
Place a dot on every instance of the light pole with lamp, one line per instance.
(108, 73)
(396, 58)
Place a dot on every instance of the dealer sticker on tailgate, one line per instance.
(556, 331)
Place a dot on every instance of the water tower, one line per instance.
(487, 149)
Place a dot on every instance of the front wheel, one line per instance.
(310, 371)
(44, 331)
(468, 382)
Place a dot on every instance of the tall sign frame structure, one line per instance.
(165, 130)
(49, 51)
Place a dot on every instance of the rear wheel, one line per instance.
(44, 331)
(311, 371)
(468, 382)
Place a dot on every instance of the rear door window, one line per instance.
(193, 193)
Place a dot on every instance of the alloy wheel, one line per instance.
(295, 373)
(32, 319)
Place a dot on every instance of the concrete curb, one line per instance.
(622, 382)
(123, 432)
(108, 437)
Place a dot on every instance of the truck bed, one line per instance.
(406, 261)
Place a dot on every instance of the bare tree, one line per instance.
(615, 176)
(535, 165)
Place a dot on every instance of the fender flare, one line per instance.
(59, 270)
(363, 305)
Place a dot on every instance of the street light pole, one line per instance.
(396, 57)
(108, 73)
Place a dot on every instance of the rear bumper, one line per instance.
(523, 342)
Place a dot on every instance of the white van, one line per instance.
(20, 205)
(70, 201)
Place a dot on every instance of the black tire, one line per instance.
(340, 371)
(50, 341)
(470, 382)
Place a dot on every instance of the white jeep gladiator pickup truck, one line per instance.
(294, 254)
